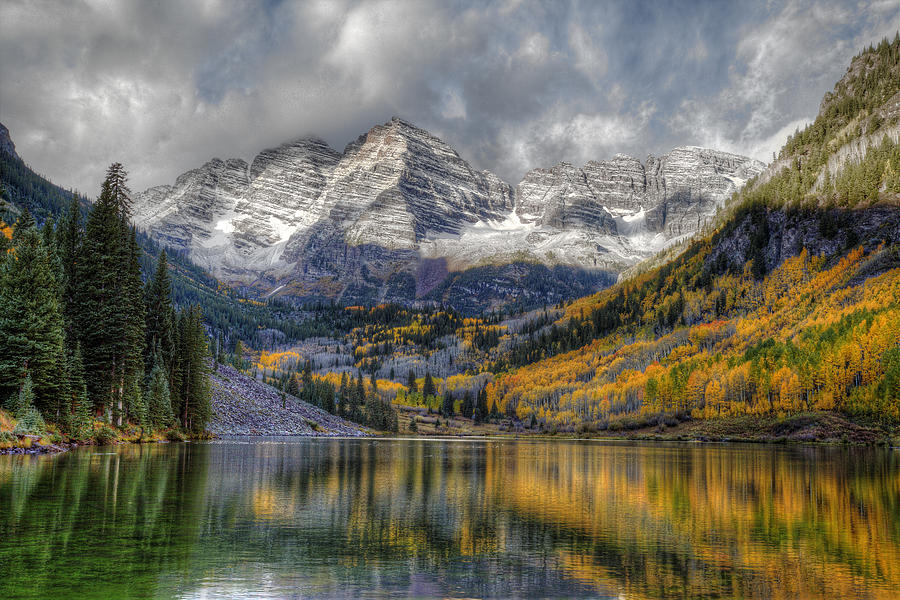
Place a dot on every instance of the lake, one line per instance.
(364, 518)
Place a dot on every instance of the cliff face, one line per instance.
(6, 143)
(305, 220)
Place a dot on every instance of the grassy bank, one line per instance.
(52, 439)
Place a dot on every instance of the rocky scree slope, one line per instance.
(399, 210)
(243, 406)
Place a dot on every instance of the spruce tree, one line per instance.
(481, 409)
(192, 399)
(23, 224)
(68, 245)
(357, 397)
(160, 316)
(342, 395)
(104, 307)
(307, 382)
(221, 348)
(447, 405)
(79, 412)
(135, 328)
(238, 355)
(30, 419)
(159, 400)
(31, 326)
(467, 405)
(25, 398)
(293, 385)
(428, 388)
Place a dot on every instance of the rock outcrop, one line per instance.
(363, 225)
(6, 143)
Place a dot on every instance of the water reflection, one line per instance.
(371, 518)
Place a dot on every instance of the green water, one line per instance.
(429, 518)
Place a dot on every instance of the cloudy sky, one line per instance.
(164, 86)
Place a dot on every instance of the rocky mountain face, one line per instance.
(6, 143)
(399, 215)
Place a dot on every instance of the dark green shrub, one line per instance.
(104, 436)
(31, 423)
(173, 435)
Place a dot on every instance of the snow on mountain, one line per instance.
(310, 221)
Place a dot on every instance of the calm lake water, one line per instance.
(430, 518)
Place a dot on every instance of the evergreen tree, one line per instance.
(428, 388)
(160, 316)
(30, 419)
(467, 406)
(159, 399)
(447, 405)
(79, 413)
(307, 379)
(481, 409)
(411, 382)
(342, 395)
(138, 409)
(357, 397)
(68, 242)
(374, 412)
(48, 237)
(293, 385)
(135, 332)
(31, 326)
(23, 224)
(191, 400)
(25, 398)
(221, 347)
(106, 308)
(238, 356)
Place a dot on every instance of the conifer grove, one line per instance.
(83, 340)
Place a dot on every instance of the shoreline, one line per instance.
(816, 428)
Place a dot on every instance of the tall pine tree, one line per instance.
(107, 305)
(160, 317)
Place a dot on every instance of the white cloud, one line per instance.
(782, 68)
(163, 87)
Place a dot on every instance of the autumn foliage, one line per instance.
(806, 337)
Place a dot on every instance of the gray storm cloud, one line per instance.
(163, 87)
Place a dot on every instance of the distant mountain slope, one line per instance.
(399, 212)
(791, 304)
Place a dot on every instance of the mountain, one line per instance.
(399, 215)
